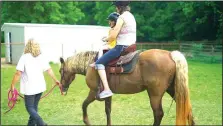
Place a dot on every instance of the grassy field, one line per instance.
(205, 81)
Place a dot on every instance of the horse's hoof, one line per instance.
(98, 98)
(87, 123)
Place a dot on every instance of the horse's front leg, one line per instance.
(90, 98)
(108, 109)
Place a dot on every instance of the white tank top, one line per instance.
(127, 34)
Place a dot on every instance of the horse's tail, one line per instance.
(182, 97)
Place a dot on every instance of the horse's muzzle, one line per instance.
(64, 90)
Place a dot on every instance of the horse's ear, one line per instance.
(61, 60)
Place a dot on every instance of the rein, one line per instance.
(13, 95)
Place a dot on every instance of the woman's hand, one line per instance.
(58, 83)
(15, 79)
(50, 72)
(12, 88)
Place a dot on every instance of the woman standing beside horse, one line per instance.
(125, 34)
(30, 69)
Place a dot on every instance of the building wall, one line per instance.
(63, 42)
(17, 36)
(55, 40)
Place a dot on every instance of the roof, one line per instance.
(49, 25)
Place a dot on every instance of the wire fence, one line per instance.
(53, 51)
(205, 52)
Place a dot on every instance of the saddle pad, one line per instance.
(129, 67)
(127, 58)
(126, 68)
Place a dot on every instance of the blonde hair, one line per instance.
(32, 47)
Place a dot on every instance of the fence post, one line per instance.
(212, 49)
(180, 46)
(141, 46)
(212, 54)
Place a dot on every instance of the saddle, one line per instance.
(124, 64)
(116, 65)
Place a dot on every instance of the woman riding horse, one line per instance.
(125, 33)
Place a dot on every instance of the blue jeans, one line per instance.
(31, 103)
(109, 56)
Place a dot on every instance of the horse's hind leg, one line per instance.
(171, 91)
(108, 109)
(156, 104)
(90, 98)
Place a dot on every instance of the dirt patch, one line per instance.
(4, 64)
(3, 60)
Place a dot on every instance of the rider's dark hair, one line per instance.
(122, 6)
(122, 9)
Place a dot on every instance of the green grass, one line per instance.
(206, 58)
(205, 82)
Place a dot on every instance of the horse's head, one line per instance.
(66, 74)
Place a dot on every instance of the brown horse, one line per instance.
(157, 71)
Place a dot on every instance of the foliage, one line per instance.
(2, 37)
(3, 50)
(102, 10)
(88, 9)
(41, 12)
(156, 20)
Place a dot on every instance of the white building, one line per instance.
(55, 40)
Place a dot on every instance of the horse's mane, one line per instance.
(80, 61)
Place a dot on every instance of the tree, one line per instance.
(102, 10)
(156, 21)
(41, 12)
(88, 9)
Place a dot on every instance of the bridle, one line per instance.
(66, 88)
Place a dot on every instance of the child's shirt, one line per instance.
(111, 44)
